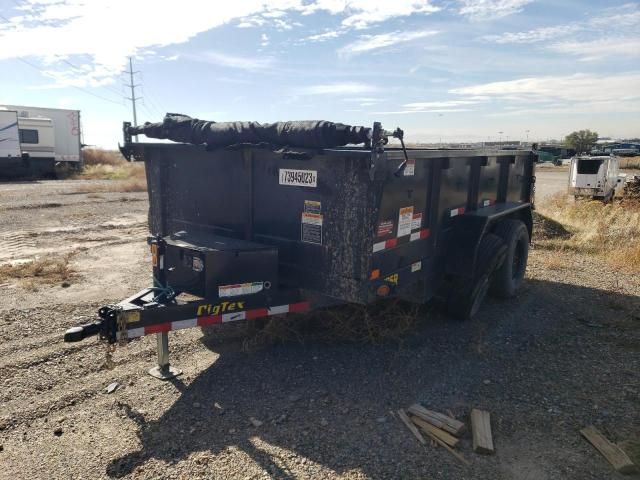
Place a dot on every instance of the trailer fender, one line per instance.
(464, 239)
(468, 229)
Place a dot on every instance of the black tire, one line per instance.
(467, 294)
(509, 277)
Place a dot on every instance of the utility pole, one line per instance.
(133, 97)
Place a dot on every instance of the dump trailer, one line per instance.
(254, 230)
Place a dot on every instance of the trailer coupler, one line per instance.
(106, 326)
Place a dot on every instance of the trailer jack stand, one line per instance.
(163, 371)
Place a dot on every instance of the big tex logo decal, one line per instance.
(224, 307)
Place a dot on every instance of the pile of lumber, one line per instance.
(632, 188)
(445, 431)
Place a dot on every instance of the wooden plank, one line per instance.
(448, 448)
(481, 430)
(441, 434)
(614, 454)
(448, 424)
(416, 433)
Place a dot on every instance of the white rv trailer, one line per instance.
(48, 136)
(9, 137)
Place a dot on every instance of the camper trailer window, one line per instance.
(28, 136)
(589, 167)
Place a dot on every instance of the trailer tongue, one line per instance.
(301, 222)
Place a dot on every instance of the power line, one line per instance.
(107, 87)
(133, 97)
(26, 62)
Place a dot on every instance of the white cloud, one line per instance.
(580, 92)
(432, 110)
(232, 61)
(344, 88)
(364, 13)
(533, 36)
(622, 18)
(491, 9)
(102, 34)
(328, 35)
(442, 104)
(367, 43)
(601, 48)
(264, 40)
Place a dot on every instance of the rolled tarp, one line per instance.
(301, 134)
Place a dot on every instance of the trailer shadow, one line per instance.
(330, 404)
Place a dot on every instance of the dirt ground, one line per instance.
(562, 355)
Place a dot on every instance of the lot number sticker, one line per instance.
(299, 178)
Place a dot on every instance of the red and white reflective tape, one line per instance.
(424, 233)
(457, 211)
(487, 203)
(217, 319)
(385, 245)
(419, 235)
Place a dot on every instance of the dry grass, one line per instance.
(123, 186)
(46, 270)
(383, 321)
(110, 165)
(611, 231)
(555, 262)
(630, 162)
(96, 156)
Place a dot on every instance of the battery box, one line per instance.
(213, 266)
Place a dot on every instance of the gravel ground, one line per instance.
(563, 355)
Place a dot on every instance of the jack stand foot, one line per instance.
(165, 372)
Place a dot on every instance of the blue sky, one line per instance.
(443, 70)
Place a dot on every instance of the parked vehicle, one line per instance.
(9, 138)
(254, 231)
(594, 177)
(48, 137)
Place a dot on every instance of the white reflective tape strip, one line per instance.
(232, 317)
(414, 236)
(378, 246)
(161, 262)
(279, 310)
(189, 323)
(135, 332)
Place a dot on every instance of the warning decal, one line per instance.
(405, 221)
(240, 289)
(312, 206)
(416, 223)
(416, 267)
(311, 231)
(385, 228)
(410, 168)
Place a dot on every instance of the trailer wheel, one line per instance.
(510, 275)
(467, 294)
